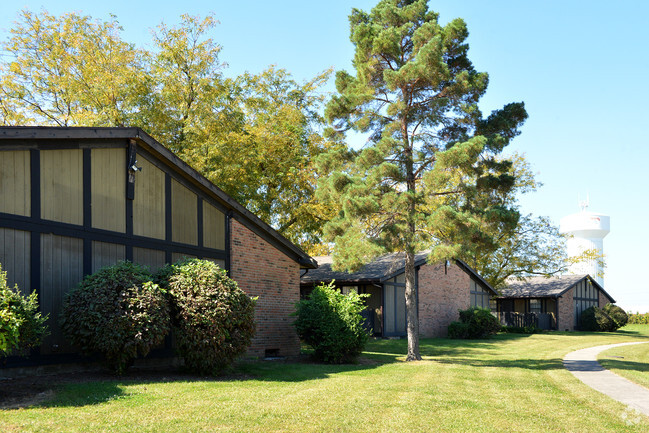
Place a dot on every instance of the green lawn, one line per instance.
(513, 383)
(631, 362)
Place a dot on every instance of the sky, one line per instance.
(580, 67)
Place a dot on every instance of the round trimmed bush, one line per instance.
(596, 320)
(213, 319)
(617, 314)
(474, 323)
(117, 312)
(331, 323)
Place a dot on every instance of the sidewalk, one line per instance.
(584, 366)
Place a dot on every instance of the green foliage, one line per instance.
(21, 324)
(596, 320)
(255, 136)
(331, 323)
(520, 329)
(616, 313)
(458, 330)
(71, 71)
(117, 312)
(474, 323)
(428, 176)
(638, 318)
(213, 318)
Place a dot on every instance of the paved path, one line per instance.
(583, 364)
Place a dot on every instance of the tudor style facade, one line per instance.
(442, 290)
(76, 199)
(560, 300)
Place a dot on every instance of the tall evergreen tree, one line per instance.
(428, 176)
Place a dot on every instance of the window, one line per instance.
(536, 306)
(479, 296)
(349, 289)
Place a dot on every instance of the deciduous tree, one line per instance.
(71, 71)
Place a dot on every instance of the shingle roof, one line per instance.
(375, 271)
(543, 287)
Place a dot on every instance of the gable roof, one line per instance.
(24, 136)
(377, 271)
(543, 287)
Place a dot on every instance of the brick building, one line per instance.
(77, 199)
(442, 290)
(561, 299)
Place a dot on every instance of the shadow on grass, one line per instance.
(624, 365)
(100, 389)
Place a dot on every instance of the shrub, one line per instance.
(331, 323)
(21, 324)
(617, 314)
(458, 330)
(478, 323)
(595, 319)
(213, 318)
(638, 318)
(520, 329)
(118, 312)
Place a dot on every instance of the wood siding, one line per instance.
(177, 256)
(62, 185)
(213, 227)
(184, 220)
(15, 258)
(154, 259)
(149, 202)
(61, 270)
(15, 182)
(106, 254)
(108, 182)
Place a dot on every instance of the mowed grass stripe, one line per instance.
(511, 383)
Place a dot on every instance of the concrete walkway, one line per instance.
(584, 366)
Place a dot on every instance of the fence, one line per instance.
(538, 320)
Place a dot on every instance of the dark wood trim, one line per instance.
(35, 264)
(87, 256)
(50, 137)
(168, 226)
(87, 188)
(19, 222)
(35, 238)
(35, 180)
(228, 247)
(131, 158)
(199, 216)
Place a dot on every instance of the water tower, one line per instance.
(588, 230)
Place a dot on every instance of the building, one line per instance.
(557, 301)
(76, 199)
(442, 290)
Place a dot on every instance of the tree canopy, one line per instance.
(429, 176)
(255, 136)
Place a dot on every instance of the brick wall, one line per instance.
(566, 317)
(603, 299)
(261, 270)
(441, 295)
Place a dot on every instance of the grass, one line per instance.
(631, 362)
(512, 383)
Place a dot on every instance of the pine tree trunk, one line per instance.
(411, 309)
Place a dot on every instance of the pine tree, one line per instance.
(428, 176)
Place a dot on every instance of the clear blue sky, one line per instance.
(580, 67)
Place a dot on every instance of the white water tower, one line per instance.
(588, 230)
